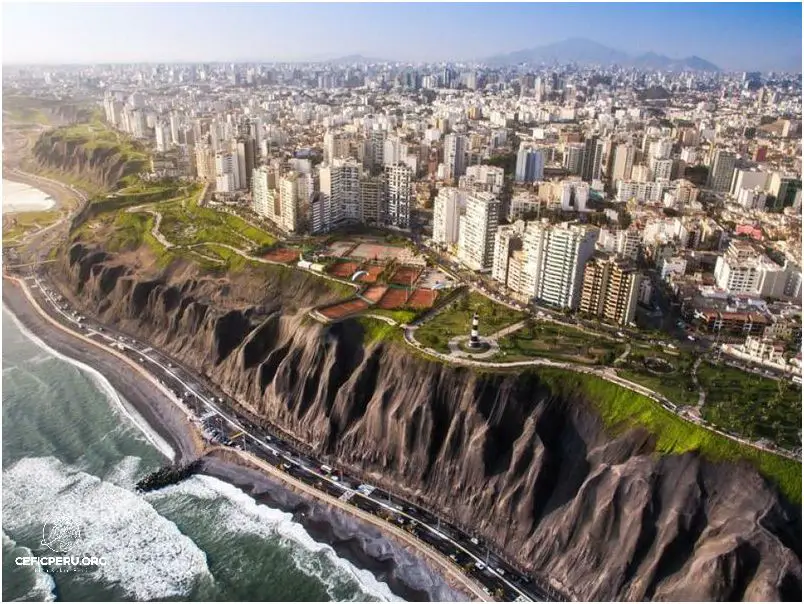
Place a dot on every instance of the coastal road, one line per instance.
(496, 577)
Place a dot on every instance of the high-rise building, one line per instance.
(574, 195)
(529, 164)
(477, 230)
(555, 259)
(455, 148)
(290, 214)
(739, 270)
(336, 146)
(720, 174)
(592, 159)
(398, 193)
(573, 158)
(339, 183)
(621, 162)
(372, 198)
(610, 289)
(394, 151)
(205, 162)
(507, 241)
(246, 154)
(784, 188)
(162, 133)
(446, 215)
(265, 197)
(227, 172)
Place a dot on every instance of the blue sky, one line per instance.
(733, 36)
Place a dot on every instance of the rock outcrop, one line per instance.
(532, 471)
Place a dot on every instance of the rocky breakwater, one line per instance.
(531, 470)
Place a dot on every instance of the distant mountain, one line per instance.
(651, 60)
(574, 50)
(588, 52)
(353, 59)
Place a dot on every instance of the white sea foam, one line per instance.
(19, 197)
(106, 388)
(244, 515)
(44, 587)
(147, 555)
(125, 472)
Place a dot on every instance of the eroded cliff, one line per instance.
(102, 162)
(530, 470)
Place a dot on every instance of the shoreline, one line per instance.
(342, 528)
(65, 200)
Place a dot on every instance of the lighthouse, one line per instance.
(474, 340)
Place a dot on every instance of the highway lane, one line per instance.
(498, 578)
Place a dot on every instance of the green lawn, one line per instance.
(622, 409)
(191, 224)
(399, 315)
(549, 340)
(20, 223)
(751, 405)
(677, 385)
(457, 320)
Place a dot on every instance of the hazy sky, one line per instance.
(733, 36)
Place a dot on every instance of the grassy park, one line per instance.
(668, 373)
(752, 406)
(190, 224)
(559, 342)
(456, 320)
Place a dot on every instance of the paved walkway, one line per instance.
(456, 350)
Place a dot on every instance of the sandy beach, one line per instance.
(397, 560)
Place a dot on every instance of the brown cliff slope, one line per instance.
(533, 472)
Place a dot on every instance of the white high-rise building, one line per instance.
(163, 141)
(479, 224)
(398, 193)
(446, 214)
(291, 217)
(455, 148)
(556, 257)
(394, 151)
(264, 194)
(227, 172)
(739, 270)
(340, 184)
(574, 195)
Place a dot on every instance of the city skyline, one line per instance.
(232, 32)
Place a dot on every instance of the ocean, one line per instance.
(19, 197)
(72, 446)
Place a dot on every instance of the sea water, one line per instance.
(72, 445)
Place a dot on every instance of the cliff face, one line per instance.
(530, 471)
(102, 164)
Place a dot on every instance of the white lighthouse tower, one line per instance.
(474, 339)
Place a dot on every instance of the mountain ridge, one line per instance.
(585, 51)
